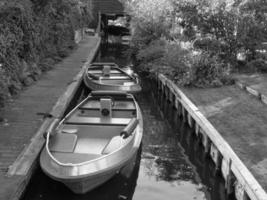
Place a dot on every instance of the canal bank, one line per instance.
(21, 131)
(172, 163)
(169, 166)
(231, 126)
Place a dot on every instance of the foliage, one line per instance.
(259, 64)
(150, 21)
(209, 70)
(32, 31)
(152, 52)
(218, 30)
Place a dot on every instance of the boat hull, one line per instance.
(81, 172)
(91, 83)
(84, 184)
(133, 89)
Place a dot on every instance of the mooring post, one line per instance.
(229, 183)
(179, 109)
(218, 163)
(164, 91)
(184, 113)
(158, 83)
(197, 129)
(193, 124)
(168, 94)
(207, 144)
(176, 103)
(190, 120)
(174, 100)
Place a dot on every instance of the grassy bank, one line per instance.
(241, 119)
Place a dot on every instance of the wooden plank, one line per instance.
(253, 91)
(240, 85)
(264, 99)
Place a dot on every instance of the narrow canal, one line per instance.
(170, 165)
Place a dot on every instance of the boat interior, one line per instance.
(94, 129)
(108, 73)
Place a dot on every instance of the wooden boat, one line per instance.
(108, 76)
(94, 141)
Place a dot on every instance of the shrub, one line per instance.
(31, 33)
(258, 64)
(176, 57)
(209, 70)
(152, 52)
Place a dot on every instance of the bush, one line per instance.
(176, 57)
(152, 52)
(208, 70)
(259, 64)
(31, 33)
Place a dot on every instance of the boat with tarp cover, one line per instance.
(108, 76)
(94, 141)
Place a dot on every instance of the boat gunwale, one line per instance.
(138, 127)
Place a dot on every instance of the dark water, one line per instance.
(171, 164)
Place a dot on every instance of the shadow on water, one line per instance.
(172, 164)
(212, 184)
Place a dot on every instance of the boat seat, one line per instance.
(111, 78)
(63, 142)
(100, 72)
(103, 93)
(118, 105)
(97, 121)
(115, 143)
(106, 70)
(97, 113)
(91, 145)
(115, 82)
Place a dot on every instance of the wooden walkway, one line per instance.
(21, 122)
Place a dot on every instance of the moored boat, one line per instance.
(108, 76)
(94, 141)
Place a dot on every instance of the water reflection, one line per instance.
(203, 166)
(165, 171)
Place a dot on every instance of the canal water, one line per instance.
(170, 164)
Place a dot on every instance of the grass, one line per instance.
(241, 120)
